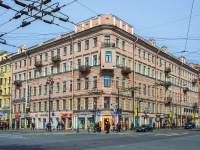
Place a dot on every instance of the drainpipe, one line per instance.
(156, 59)
(180, 78)
(134, 69)
(11, 92)
(72, 44)
(26, 86)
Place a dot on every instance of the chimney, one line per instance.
(182, 59)
(164, 49)
(152, 42)
(22, 49)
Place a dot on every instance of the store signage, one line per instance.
(17, 116)
(52, 114)
(17, 100)
(26, 116)
(27, 96)
(84, 113)
(1, 114)
(125, 113)
(44, 115)
(66, 115)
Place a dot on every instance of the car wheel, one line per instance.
(151, 130)
(145, 130)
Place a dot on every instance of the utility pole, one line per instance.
(49, 82)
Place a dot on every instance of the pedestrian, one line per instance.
(118, 127)
(113, 125)
(88, 127)
(154, 125)
(1, 126)
(13, 125)
(132, 126)
(8, 126)
(107, 127)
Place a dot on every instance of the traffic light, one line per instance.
(135, 112)
(120, 117)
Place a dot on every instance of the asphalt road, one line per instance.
(159, 140)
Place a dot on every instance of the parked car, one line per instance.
(144, 128)
(190, 125)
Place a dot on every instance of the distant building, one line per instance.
(90, 66)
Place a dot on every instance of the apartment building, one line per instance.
(5, 86)
(92, 72)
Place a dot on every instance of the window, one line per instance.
(78, 63)
(144, 70)
(64, 105)
(94, 102)
(153, 73)
(149, 57)
(70, 86)
(108, 56)
(107, 40)
(58, 52)
(40, 72)
(15, 65)
(123, 62)
(117, 60)
(40, 90)
(51, 70)
(106, 102)
(29, 75)
(34, 91)
(52, 54)
(160, 93)
(20, 64)
(70, 66)
(95, 42)
(57, 87)
(64, 67)
(117, 43)
(39, 106)
(70, 104)
(45, 89)
(160, 75)
(86, 103)
(153, 91)
(117, 82)
(149, 88)
(87, 44)
(139, 68)
(149, 72)
(45, 71)
(71, 49)
(86, 83)
(95, 82)
(78, 84)
(57, 105)
(144, 89)
(94, 60)
(51, 105)
(123, 45)
(46, 56)
(64, 86)
(144, 55)
(123, 83)
(51, 88)
(79, 46)
(106, 81)
(139, 53)
(152, 59)
(160, 62)
(78, 104)
(64, 51)
(24, 63)
(58, 68)
(87, 61)
(139, 87)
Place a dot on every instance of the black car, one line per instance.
(190, 125)
(144, 128)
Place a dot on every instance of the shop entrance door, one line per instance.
(106, 120)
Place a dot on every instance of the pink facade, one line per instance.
(88, 66)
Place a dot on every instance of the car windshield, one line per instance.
(143, 125)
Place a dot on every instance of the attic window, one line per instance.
(123, 25)
(107, 18)
(86, 24)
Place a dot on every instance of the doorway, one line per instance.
(106, 120)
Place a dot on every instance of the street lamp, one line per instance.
(49, 82)
(94, 116)
(77, 130)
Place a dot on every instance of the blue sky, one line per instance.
(165, 21)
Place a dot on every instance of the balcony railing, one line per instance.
(126, 70)
(168, 99)
(38, 64)
(194, 81)
(108, 45)
(84, 68)
(185, 89)
(55, 59)
(17, 83)
(168, 70)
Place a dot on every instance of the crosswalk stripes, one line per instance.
(170, 134)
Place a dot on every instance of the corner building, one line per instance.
(99, 63)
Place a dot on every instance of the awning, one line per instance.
(186, 109)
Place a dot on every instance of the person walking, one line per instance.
(88, 127)
(118, 127)
(107, 127)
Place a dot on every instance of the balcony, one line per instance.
(126, 70)
(185, 90)
(167, 70)
(104, 45)
(195, 105)
(168, 100)
(84, 68)
(194, 81)
(17, 83)
(55, 59)
(38, 64)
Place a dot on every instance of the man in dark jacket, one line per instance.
(107, 127)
